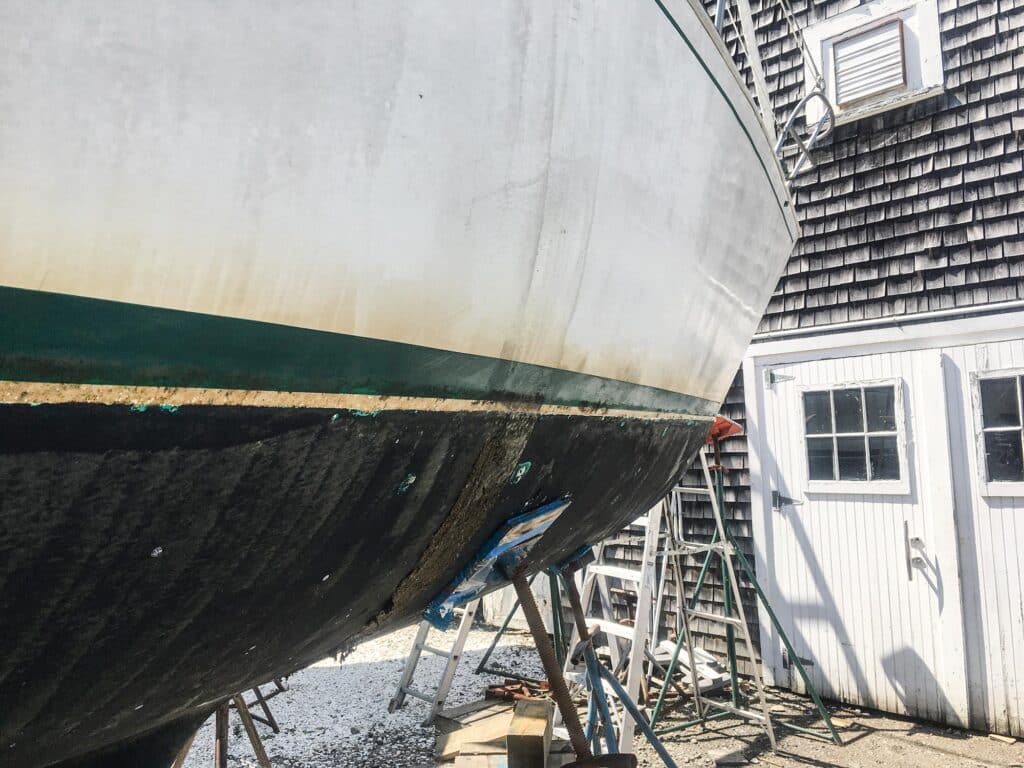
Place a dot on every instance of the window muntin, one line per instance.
(851, 434)
(1001, 429)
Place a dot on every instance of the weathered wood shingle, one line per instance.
(903, 192)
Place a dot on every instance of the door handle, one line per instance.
(916, 543)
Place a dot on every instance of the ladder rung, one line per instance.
(692, 489)
(714, 617)
(694, 549)
(610, 627)
(735, 710)
(615, 571)
(436, 651)
(417, 694)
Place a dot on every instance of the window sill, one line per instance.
(1008, 489)
(859, 488)
(893, 102)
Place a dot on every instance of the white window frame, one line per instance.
(988, 487)
(922, 55)
(900, 487)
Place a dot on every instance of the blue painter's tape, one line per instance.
(508, 546)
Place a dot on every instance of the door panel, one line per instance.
(991, 543)
(861, 571)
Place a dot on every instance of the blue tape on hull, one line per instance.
(508, 546)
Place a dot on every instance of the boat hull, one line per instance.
(157, 560)
(301, 301)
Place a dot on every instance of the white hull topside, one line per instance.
(561, 184)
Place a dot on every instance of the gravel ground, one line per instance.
(335, 716)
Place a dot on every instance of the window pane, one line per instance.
(1003, 456)
(853, 463)
(848, 411)
(817, 413)
(999, 403)
(819, 458)
(884, 457)
(880, 408)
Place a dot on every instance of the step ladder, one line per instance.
(453, 654)
(733, 618)
(710, 673)
(640, 581)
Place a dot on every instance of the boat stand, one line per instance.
(598, 676)
(556, 633)
(221, 732)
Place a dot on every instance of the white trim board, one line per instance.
(895, 337)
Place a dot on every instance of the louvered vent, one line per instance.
(869, 63)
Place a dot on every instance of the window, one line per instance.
(851, 434)
(1000, 399)
(878, 56)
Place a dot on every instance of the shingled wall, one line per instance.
(919, 208)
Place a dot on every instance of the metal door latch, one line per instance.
(779, 501)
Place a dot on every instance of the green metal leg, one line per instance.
(656, 713)
(794, 659)
(556, 616)
(482, 667)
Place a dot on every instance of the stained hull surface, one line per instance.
(167, 558)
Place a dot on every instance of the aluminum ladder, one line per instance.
(734, 618)
(641, 582)
(419, 646)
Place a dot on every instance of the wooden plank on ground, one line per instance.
(487, 731)
(496, 747)
(528, 740)
(452, 720)
(480, 761)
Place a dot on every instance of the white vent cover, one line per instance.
(869, 63)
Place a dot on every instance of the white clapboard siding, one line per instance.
(869, 62)
(991, 546)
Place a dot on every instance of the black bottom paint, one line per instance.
(153, 563)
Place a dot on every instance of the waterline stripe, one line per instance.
(58, 338)
(171, 398)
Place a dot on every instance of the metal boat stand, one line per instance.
(598, 676)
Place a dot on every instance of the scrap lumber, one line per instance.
(490, 730)
(480, 761)
(528, 739)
